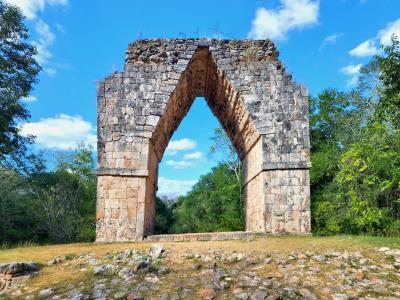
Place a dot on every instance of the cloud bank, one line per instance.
(276, 23)
(62, 132)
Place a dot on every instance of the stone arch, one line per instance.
(263, 112)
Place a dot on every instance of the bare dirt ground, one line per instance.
(288, 267)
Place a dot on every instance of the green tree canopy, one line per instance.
(18, 74)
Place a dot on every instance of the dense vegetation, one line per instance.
(355, 139)
(37, 203)
(355, 153)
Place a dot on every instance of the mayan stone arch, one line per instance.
(264, 113)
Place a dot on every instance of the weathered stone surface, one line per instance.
(156, 250)
(15, 269)
(263, 112)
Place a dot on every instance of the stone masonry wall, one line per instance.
(263, 112)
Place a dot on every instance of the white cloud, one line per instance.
(188, 160)
(178, 145)
(367, 48)
(30, 8)
(61, 132)
(180, 164)
(353, 71)
(194, 155)
(28, 99)
(43, 29)
(371, 46)
(330, 39)
(46, 39)
(174, 187)
(385, 35)
(292, 14)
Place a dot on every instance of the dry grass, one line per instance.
(74, 270)
(282, 244)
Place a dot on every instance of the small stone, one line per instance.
(140, 265)
(338, 296)
(260, 295)
(101, 270)
(319, 258)
(125, 272)
(115, 281)
(156, 251)
(196, 266)
(120, 295)
(206, 293)
(75, 295)
(360, 275)
(307, 294)
(380, 289)
(383, 249)
(163, 270)
(276, 284)
(54, 261)
(152, 279)
(301, 256)
(393, 252)
(93, 262)
(134, 296)
(242, 296)
(46, 293)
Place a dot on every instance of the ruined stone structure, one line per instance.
(263, 112)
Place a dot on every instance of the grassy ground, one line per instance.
(72, 271)
(269, 245)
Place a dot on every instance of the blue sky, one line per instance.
(322, 43)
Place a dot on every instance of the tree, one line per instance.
(223, 146)
(369, 180)
(58, 195)
(337, 120)
(213, 204)
(164, 215)
(355, 152)
(18, 221)
(18, 74)
(389, 66)
(80, 164)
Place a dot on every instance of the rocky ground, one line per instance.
(211, 272)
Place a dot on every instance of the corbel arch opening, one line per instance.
(203, 78)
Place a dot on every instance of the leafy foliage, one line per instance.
(389, 66)
(355, 180)
(164, 215)
(213, 204)
(18, 74)
(50, 205)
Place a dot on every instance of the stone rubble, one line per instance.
(12, 274)
(225, 274)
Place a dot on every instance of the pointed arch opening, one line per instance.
(203, 78)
